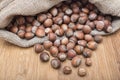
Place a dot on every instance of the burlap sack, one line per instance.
(10, 8)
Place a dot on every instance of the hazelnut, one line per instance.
(79, 26)
(68, 11)
(14, 29)
(64, 41)
(49, 16)
(29, 19)
(64, 27)
(70, 45)
(76, 61)
(82, 43)
(55, 63)
(92, 16)
(48, 23)
(100, 25)
(52, 36)
(62, 56)
(36, 23)
(40, 32)
(109, 29)
(79, 34)
(28, 29)
(21, 27)
(55, 27)
(48, 30)
(64, 7)
(88, 37)
(82, 20)
(47, 44)
(74, 17)
(58, 20)
(57, 43)
(66, 19)
(73, 39)
(21, 33)
(88, 62)
(85, 10)
(100, 18)
(98, 38)
(92, 45)
(59, 32)
(60, 14)
(67, 70)
(44, 57)
(82, 14)
(62, 48)
(54, 51)
(41, 17)
(20, 20)
(91, 24)
(87, 29)
(29, 35)
(72, 26)
(69, 33)
(38, 48)
(71, 54)
(82, 72)
(54, 11)
(87, 52)
(79, 49)
(76, 10)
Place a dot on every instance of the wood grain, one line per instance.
(23, 64)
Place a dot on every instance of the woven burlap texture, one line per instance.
(11, 8)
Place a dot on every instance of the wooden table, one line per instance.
(23, 64)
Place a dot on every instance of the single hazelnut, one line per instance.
(38, 48)
(66, 19)
(68, 11)
(14, 29)
(58, 20)
(82, 20)
(74, 17)
(71, 54)
(41, 17)
(40, 32)
(79, 49)
(49, 16)
(79, 26)
(60, 14)
(67, 70)
(82, 43)
(29, 35)
(54, 51)
(22, 27)
(92, 45)
(69, 33)
(82, 72)
(55, 63)
(76, 10)
(91, 24)
(54, 11)
(47, 44)
(87, 52)
(109, 29)
(87, 29)
(36, 23)
(85, 10)
(70, 45)
(62, 56)
(64, 41)
(76, 61)
(100, 18)
(21, 33)
(59, 32)
(44, 57)
(98, 38)
(48, 30)
(88, 37)
(20, 20)
(79, 34)
(88, 62)
(29, 19)
(92, 16)
(62, 48)
(73, 39)
(82, 14)
(52, 36)
(72, 26)
(57, 43)
(48, 23)
(64, 27)
(100, 25)
(28, 29)
(55, 27)
(34, 29)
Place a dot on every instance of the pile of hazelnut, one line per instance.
(67, 26)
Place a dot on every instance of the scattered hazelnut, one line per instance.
(29, 35)
(88, 62)
(98, 38)
(79, 34)
(62, 48)
(44, 57)
(64, 41)
(67, 70)
(88, 37)
(100, 25)
(38, 48)
(41, 17)
(21, 33)
(82, 20)
(40, 32)
(76, 61)
(66, 19)
(47, 44)
(58, 20)
(62, 56)
(82, 43)
(72, 26)
(87, 29)
(73, 39)
(70, 45)
(74, 17)
(79, 49)
(87, 52)
(82, 72)
(92, 45)
(69, 33)
(55, 63)
(52, 36)
(48, 23)
(54, 51)
(71, 54)
(59, 32)
(64, 27)
(55, 27)
(54, 11)
(92, 16)
(68, 11)
(14, 29)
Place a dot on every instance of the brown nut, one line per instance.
(14, 29)
(66, 19)
(48, 30)
(87, 52)
(58, 20)
(98, 38)
(73, 39)
(76, 10)
(87, 29)
(41, 17)
(44, 57)
(40, 33)
(88, 62)
(79, 26)
(57, 43)
(82, 20)
(59, 32)
(82, 14)
(62, 48)
(62, 56)
(92, 16)
(47, 44)
(55, 27)
(71, 54)
(55, 63)
(92, 45)
(20, 20)
(64, 27)
(69, 33)
(52, 36)
(82, 43)
(49, 16)
(70, 45)
(67, 70)
(109, 29)
(68, 11)
(82, 72)
(79, 34)
(88, 37)
(79, 49)
(91, 24)
(38, 48)
(72, 26)
(54, 11)
(29, 19)
(21, 33)
(36, 23)
(54, 51)
(76, 61)
(64, 41)
(48, 23)
(85, 10)
(29, 35)
(74, 17)
(100, 25)
(28, 29)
